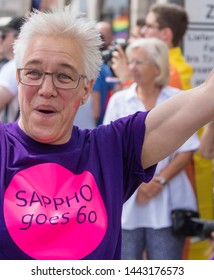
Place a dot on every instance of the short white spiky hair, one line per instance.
(65, 23)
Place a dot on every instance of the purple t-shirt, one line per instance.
(65, 201)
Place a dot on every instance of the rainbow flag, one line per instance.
(120, 26)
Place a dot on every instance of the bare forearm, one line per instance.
(119, 64)
(170, 124)
(178, 164)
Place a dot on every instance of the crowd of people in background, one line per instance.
(148, 71)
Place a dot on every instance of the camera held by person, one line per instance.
(107, 53)
(188, 223)
(203, 228)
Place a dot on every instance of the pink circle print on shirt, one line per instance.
(52, 213)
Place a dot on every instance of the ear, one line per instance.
(167, 36)
(17, 76)
(87, 90)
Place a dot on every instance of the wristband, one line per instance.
(161, 180)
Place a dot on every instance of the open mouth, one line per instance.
(46, 111)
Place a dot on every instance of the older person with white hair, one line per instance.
(146, 218)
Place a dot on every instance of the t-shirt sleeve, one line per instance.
(126, 136)
(133, 141)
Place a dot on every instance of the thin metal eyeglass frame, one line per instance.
(51, 74)
(151, 26)
(138, 62)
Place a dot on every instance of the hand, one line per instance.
(119, 64)
(147, 191)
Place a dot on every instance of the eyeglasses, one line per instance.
(138, 62)
(34, 77)
(151, 26)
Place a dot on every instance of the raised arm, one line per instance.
(119, 64)
(170, 124)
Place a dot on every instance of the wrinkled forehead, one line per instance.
(53, 51)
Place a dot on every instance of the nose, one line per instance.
(132, 67)
(47, 87)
